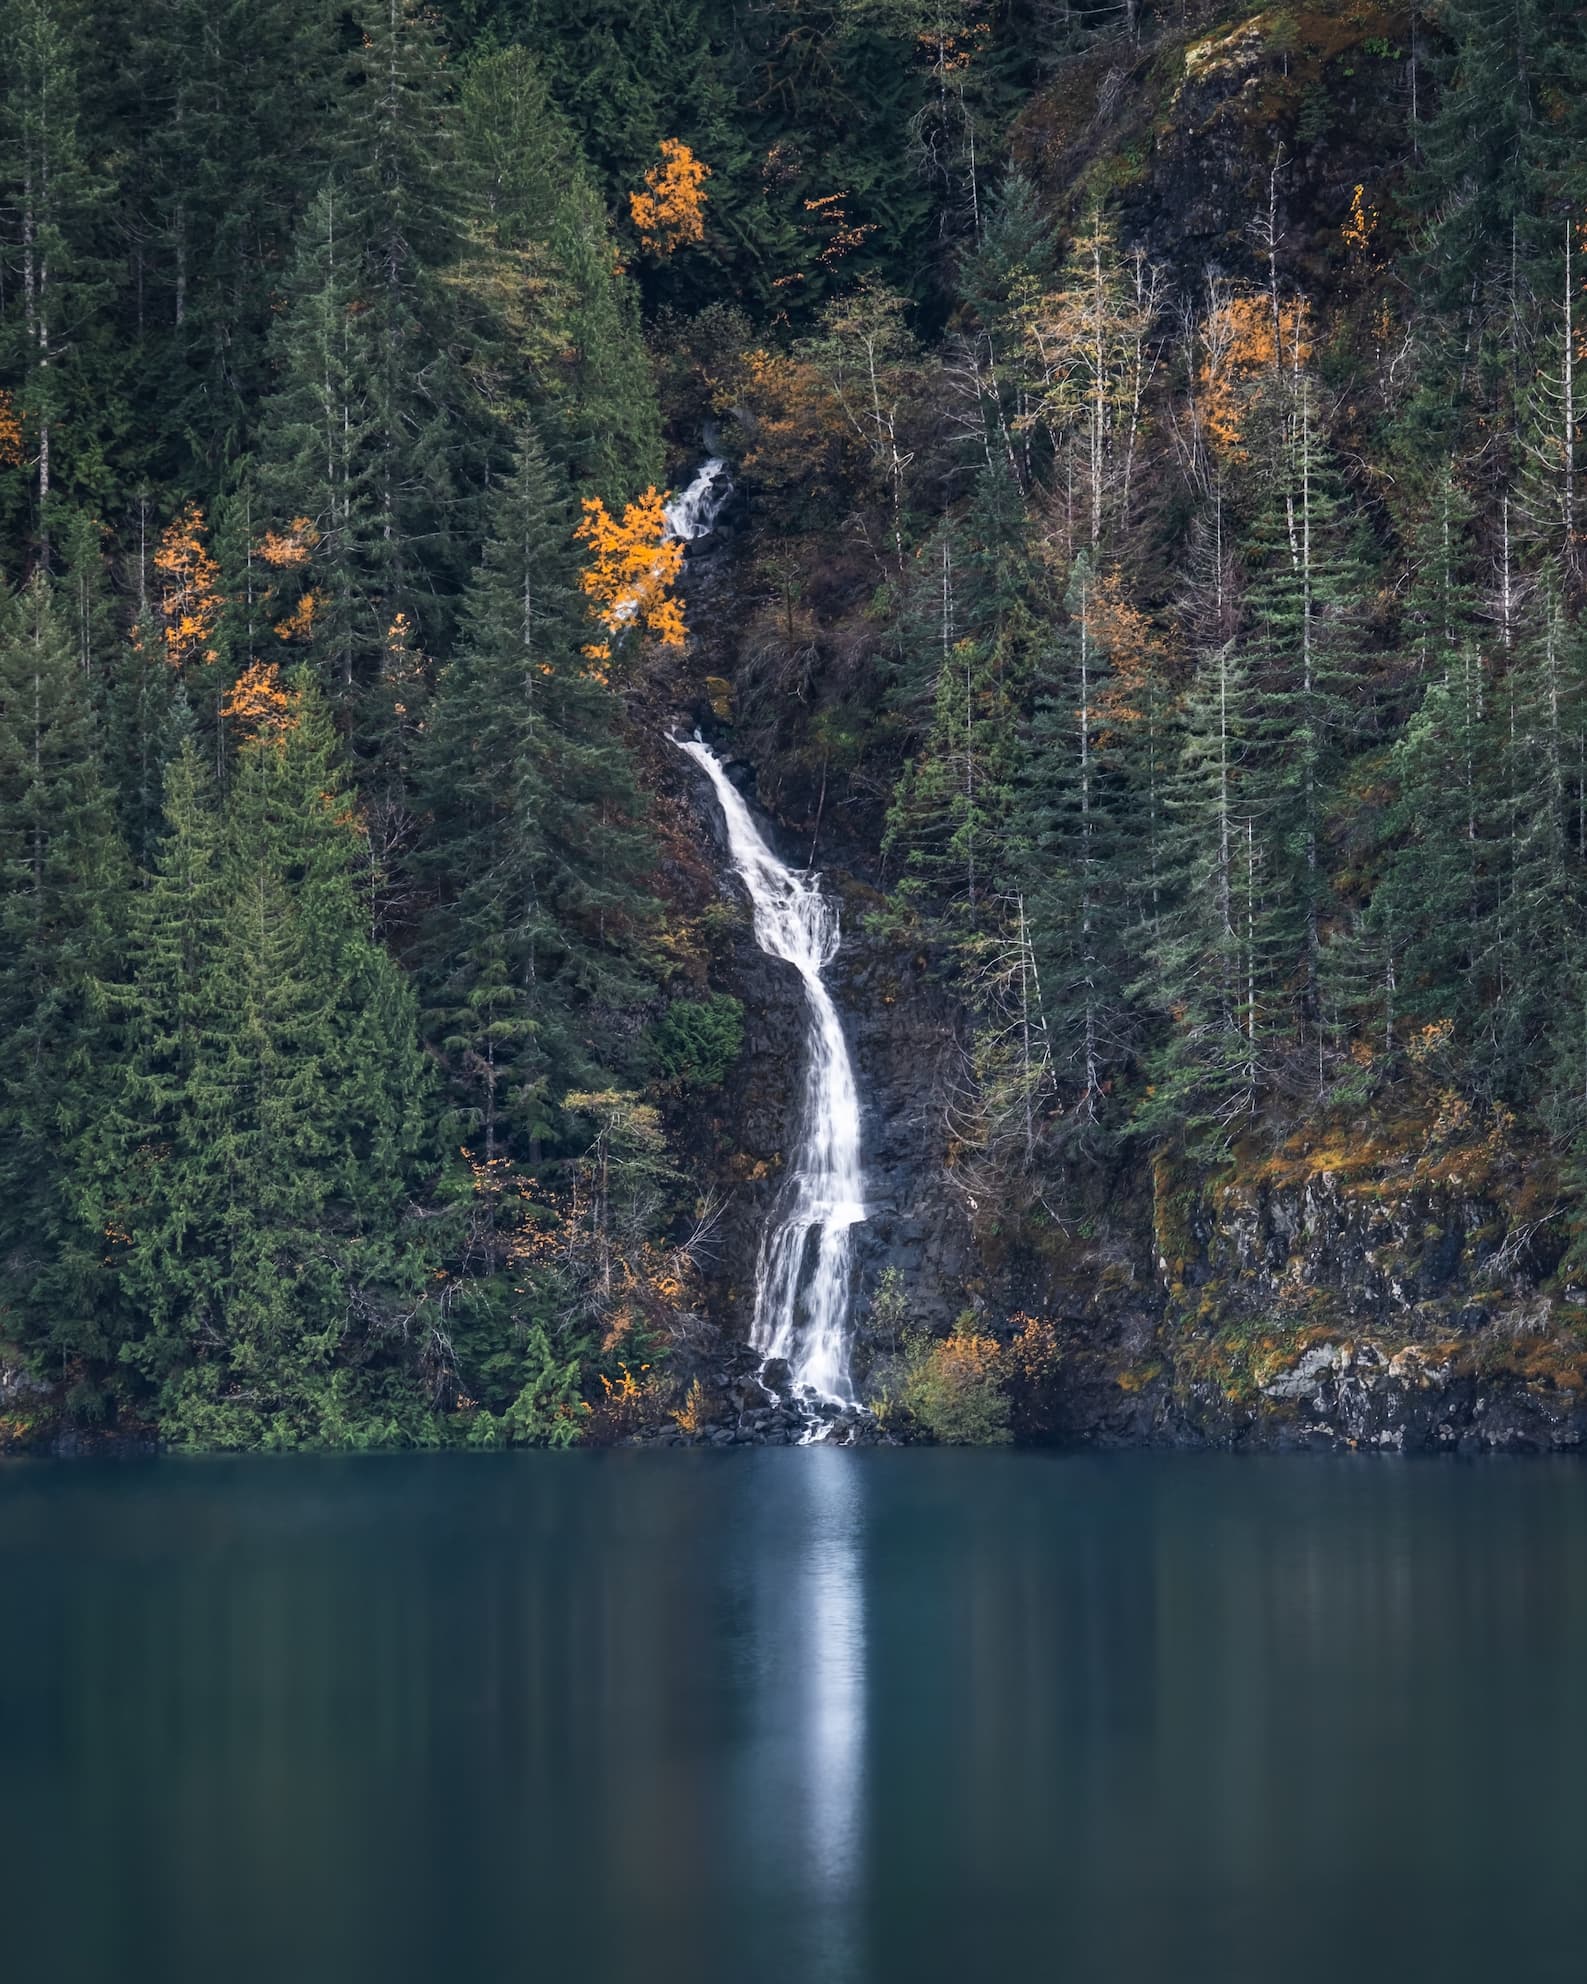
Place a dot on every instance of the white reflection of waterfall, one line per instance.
(797, 1840)
(830, 1703)
(802, 1276)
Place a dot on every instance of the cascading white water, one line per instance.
(802, 1277)
(691, 514)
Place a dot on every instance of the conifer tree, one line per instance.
(51, 316)
(1305, 648)
(62, 894)
(550, 275)
(256, 1166)
(536, 857)
(221, 144)
(374, 435)
(1069, 831)
(1208, 954)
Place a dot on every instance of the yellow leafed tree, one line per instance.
(10, 432)
(190, 597)
(633, 569)
(1244, 341)
(670, 210)
(258, 704)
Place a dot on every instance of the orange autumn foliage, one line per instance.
(190, 597)
(1137, 653)
(1241, 344)
(670, 211)
(10, 433)
(829, 214)
(299, 623)
(258, 705)
(801, 449)
(634, 567)
(283, 550)
(1361, 226)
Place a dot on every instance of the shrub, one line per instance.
(694, 1415)
(955, 1387)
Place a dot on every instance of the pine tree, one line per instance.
(220, 146)
(1305, 652)
(536, 856)
(1208, 956)
(52, 311)
(1070, 832)
(375, 436)
(550, 275)
(257, 1164)
(62, 881)
(1480, 180)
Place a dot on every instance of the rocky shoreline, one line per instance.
(744, 1404)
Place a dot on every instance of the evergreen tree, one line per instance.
(52, 320)
(62, 884)
(375, 434)
(1070, 833)
(1305, 654)
(536, 861)
(1503, 145)
(550, 276)
(1207, 956)
(257, 1165)
(221, 145)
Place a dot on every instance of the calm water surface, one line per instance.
(793, 1716)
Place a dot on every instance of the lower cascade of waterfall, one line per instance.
(803, 1274)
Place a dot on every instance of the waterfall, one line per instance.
(802, 1276)
(691, 514)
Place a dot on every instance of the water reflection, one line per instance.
(800, 1779)
(806, 1717)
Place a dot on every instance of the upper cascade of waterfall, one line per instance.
(694, 510)
(806, 1256)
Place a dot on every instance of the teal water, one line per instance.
(793, 1715)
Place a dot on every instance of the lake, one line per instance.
(793, 1715)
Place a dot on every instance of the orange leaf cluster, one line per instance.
(951, 50)
(1241, 341)
(190, 598)
(283, 550)
(258, 705)
(299, 623)
(801, 443)
(1362, 224)
(1127, 638)
(634, 567)
(694, 1414)
(10, 432)
(670, 212)
(1033, 1353)
(831, 211)
(967, 1358)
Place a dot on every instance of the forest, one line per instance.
(1153, 578)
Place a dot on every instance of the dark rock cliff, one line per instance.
(1392, 1287)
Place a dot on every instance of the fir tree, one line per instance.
(1069, 830)
(257, 1163)
(62, 894)
(537, 860)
